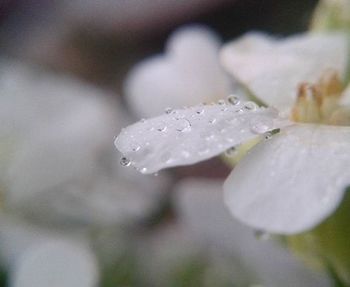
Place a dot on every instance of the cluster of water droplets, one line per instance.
(188, 135)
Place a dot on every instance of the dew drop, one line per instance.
(231, 151)
(260, 125)
(250, 106)
(168, 110)
(161, 127)
(136, 148)
(183, 125)
(221, 102)
(268, 135)
(125, 161)
(212, 121)
(233, 100)
(200, 111)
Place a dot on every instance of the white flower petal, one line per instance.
(194, 134)
(187, 74)
(272, 69)
(56, 263)
(200, 207)
(292, 182)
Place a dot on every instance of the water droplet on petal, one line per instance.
(161, 127)
(250, 106)
(260, 125)
(136, 148)
(233, 100)
(168, 110)
(231, 151)
(143, 170)
(200, 111)
(221, 102)
(183, 125)
(212, 121)
(125, 161)
(268, 135)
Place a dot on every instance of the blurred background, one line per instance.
(72, 213)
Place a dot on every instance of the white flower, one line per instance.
(202, 212)
(36, 256)
(58, 263)
(272, 69)
(187, 74)
(290, 182)
(57, 159)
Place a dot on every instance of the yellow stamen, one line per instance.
(317, 103)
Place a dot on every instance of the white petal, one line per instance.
(272, 69)
(187, 74)
(191, 135)
(200, 207)
(56, 263)
(292, 182)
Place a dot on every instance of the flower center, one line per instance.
(320, 102)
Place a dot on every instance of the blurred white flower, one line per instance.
(272, 69)
(37, 256)
(201, 211)
(178, 256)
(187, 74)
(58, 170)
(293, 180)
(57, 263)
(55, 140)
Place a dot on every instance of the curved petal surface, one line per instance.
(292, 182)
(187, 136)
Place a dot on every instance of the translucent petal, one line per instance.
(187, 136)
(292, 182)
(187, 74)
(273, 68)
